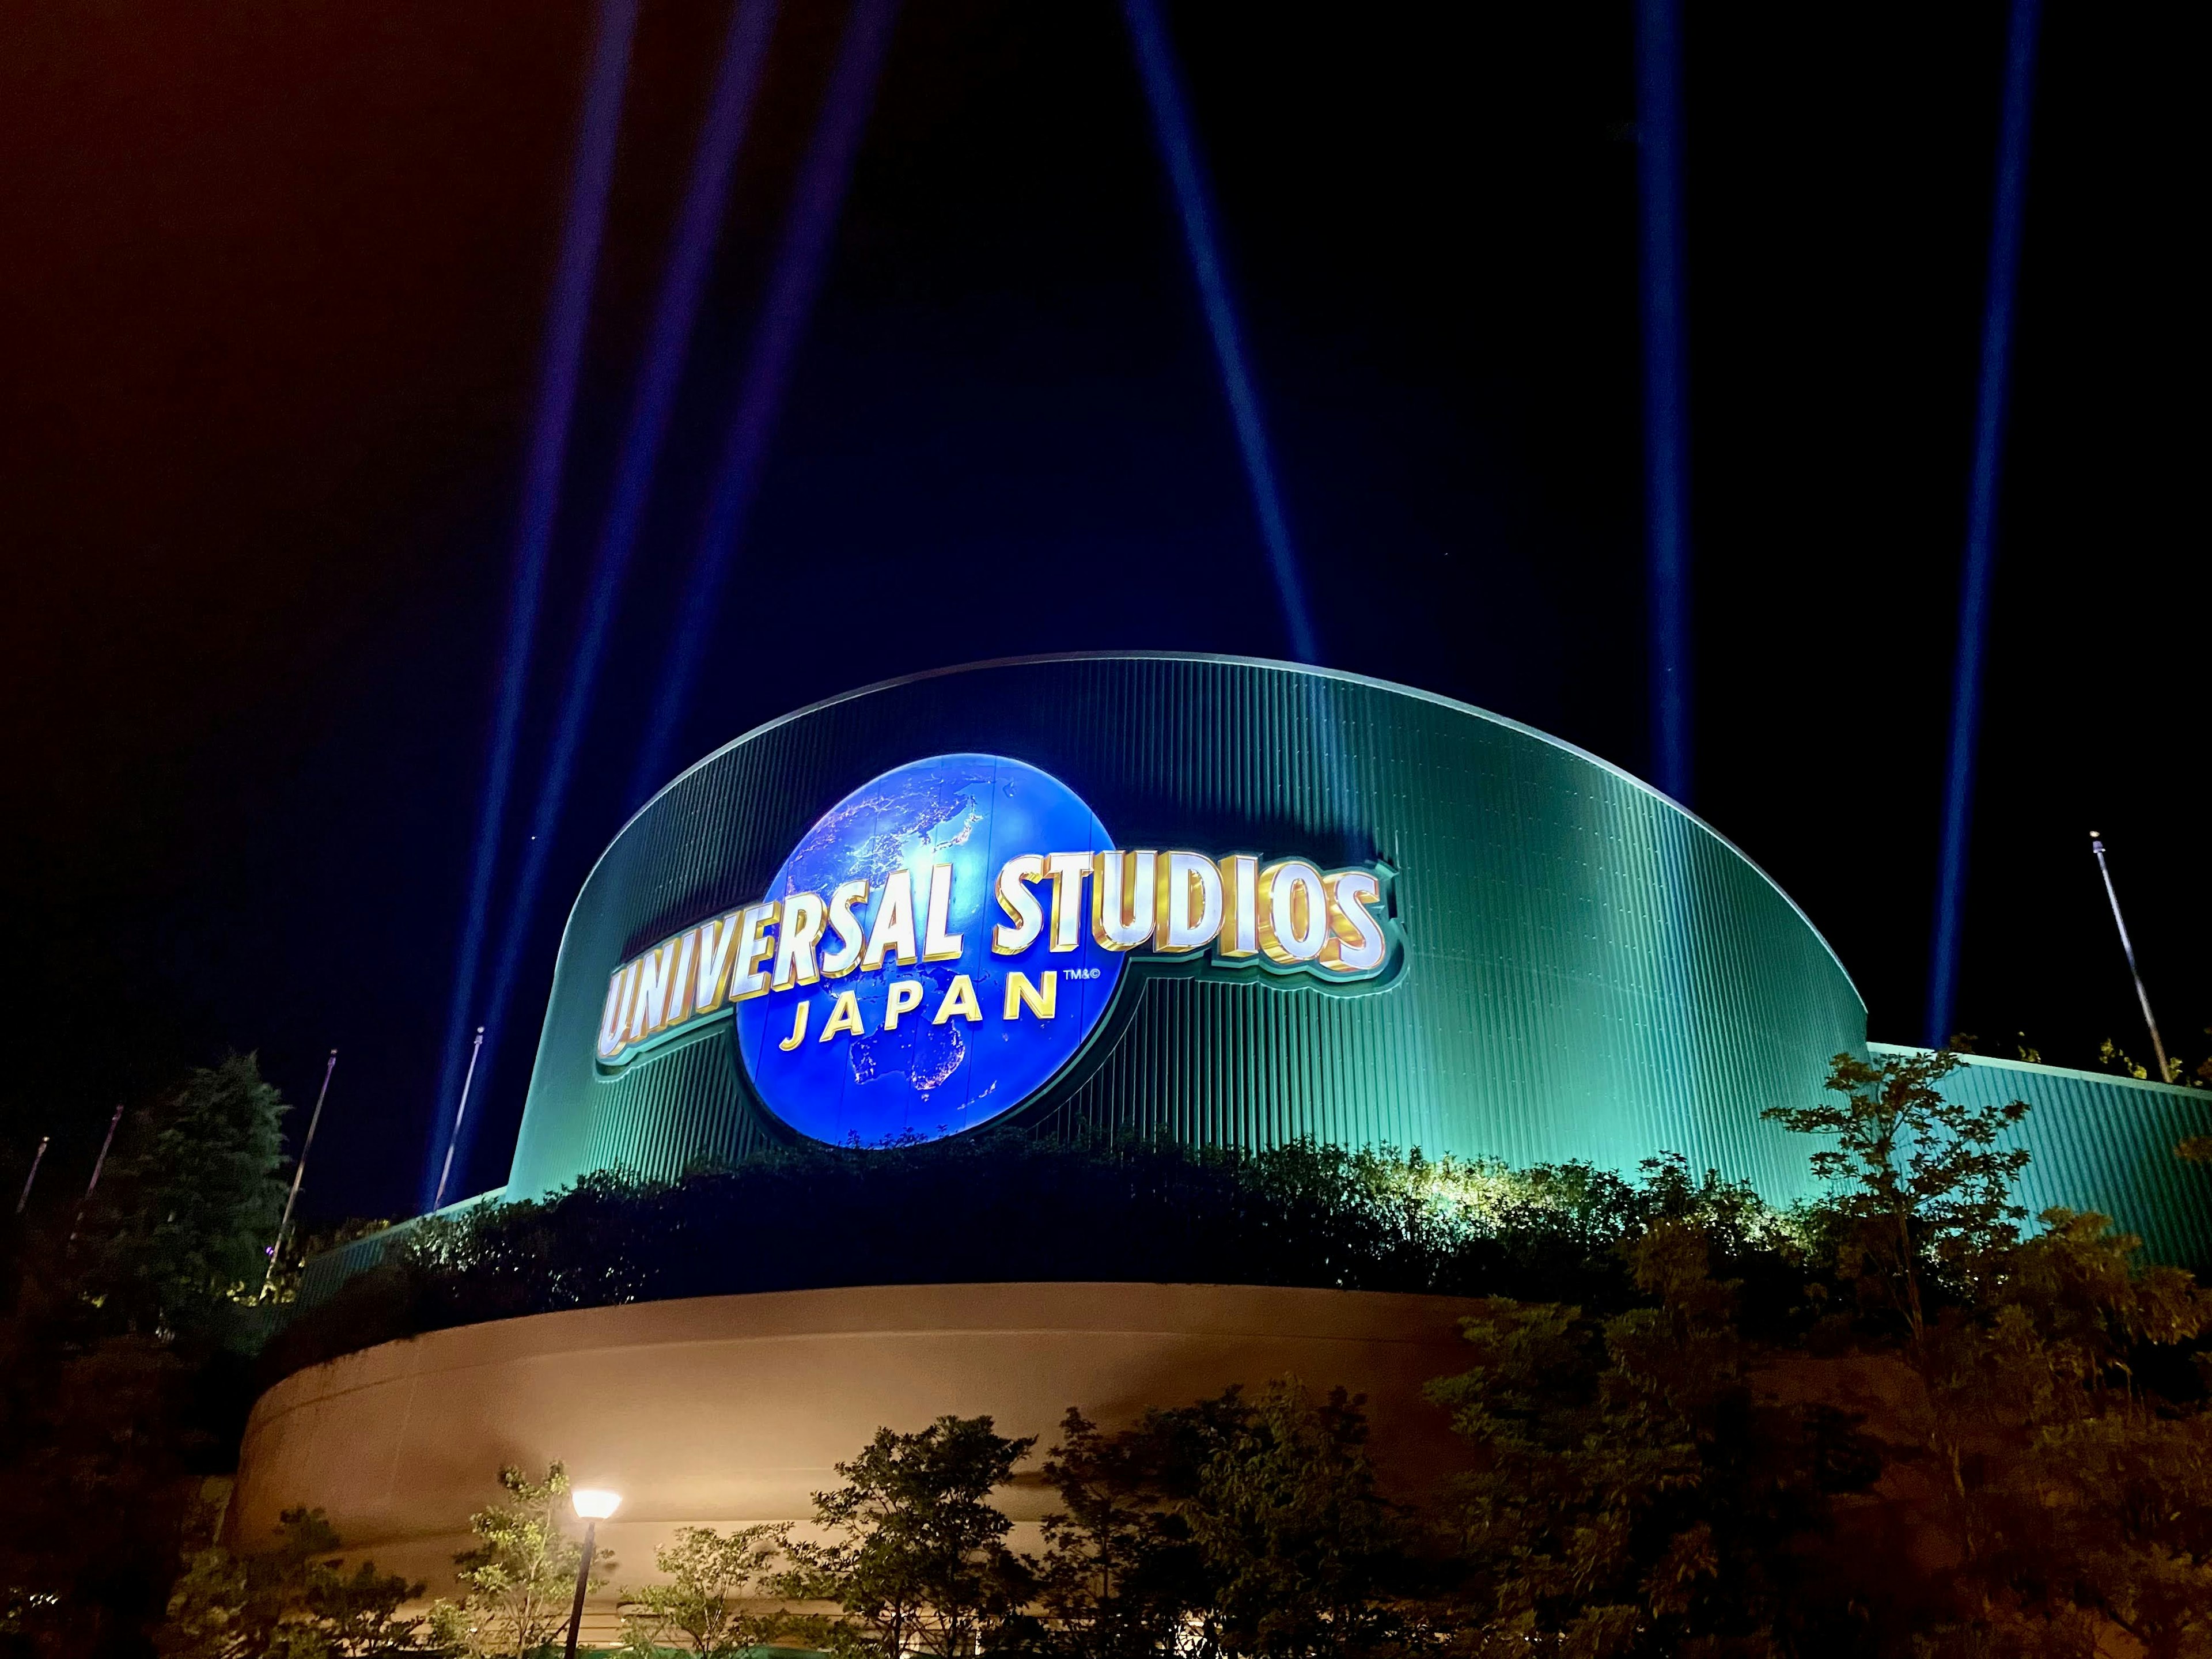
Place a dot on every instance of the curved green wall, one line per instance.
(2101, 1143)
(1591, 971)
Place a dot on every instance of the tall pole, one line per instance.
(98, 1164)
(459, 1112)
(583, 1580)
(2127, 946)
(299, 1170)
(37, 1159)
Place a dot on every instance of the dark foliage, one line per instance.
(123, 1375)
(1919, 1214)
(1634, 1491)
(1033, 1209)
(189, 1203)
(2044, 1400)
(1246, 1524)
(97, 1450)
(293, 1600)
(915, 1553)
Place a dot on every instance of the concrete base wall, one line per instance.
(724, 1411)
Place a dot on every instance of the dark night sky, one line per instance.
(274, 292)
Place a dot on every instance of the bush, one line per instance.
(820, 1217)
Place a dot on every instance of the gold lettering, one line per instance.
(755, 942)
(802, 926)
(1190, 902)
(894, 928)
(1355, 943)
(936, 944)
(798, 1025)
(1041, 1001)
(959, 999)
(610, 1036)
(844, 1016)
(1067, 871)
(851, 936)
(1293, 909)
(718, 941)
(1121, 886)
(1019, 903)
(901, 996)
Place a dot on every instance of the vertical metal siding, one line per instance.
(2103, 1143)
(1591, 973)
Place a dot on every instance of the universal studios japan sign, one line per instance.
(946, 940)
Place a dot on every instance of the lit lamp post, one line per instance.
(594, 1505)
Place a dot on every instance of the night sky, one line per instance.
(274, 290)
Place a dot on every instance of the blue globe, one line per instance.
(924, 1080)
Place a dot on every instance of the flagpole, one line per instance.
(461, 1110)
(299, 1170)
(98, 1164)
(2127, 947)
(37, 1159)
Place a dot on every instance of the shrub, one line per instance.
(1030, 1209)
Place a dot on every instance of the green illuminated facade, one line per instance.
(2104, 1144)
(1590, 972)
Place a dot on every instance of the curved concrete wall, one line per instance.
(1591, 971)
(728, 1410)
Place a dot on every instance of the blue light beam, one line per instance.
(1979, 565)
(1179, 149)
(676, 311)
(817, 200)
(1666, 390)
(574, 274)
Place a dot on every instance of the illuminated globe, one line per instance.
(925, 1080)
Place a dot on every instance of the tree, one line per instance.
(94, 1443)
(2084, 1500)
(292, 1601)
(114, 1389)
(191, 1201)
(1303, 1554)
(1918, 1214)
(1921, 1197)
(521, 1579)
(1238, 1525)
(2111, 1057)
(708, 1572)
(2069, 1436)
(922, 1564)
(1122, 1575)
(1632, 1492)
(2102, 1525)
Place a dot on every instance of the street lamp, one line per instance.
(594, 1505)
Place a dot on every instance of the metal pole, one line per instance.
(37, 1159)
(583, 1579)
(98, 1164)
(475, 1049)
(299, 1170)
(2127, 946)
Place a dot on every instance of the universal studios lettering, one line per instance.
(946, 940)
(1288, 915)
